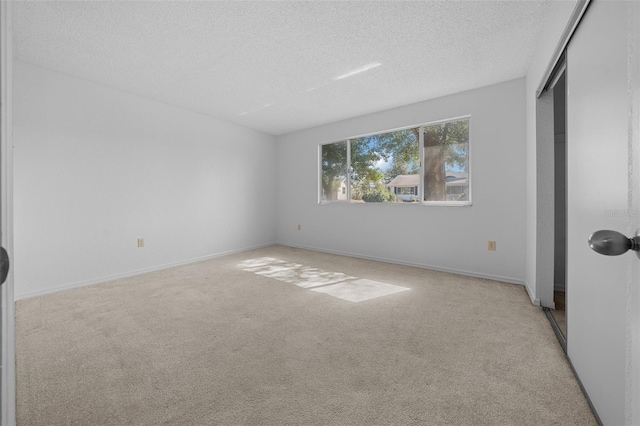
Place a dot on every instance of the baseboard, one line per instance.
(472, 274)
(127, 274)
(532, 295)
(135, 272)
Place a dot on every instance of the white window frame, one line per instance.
(421, 148)
(347, 178)
(445, 203)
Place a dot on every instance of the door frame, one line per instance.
(546, 198)
(544, 285)
(574, 20)
(545, 188)
(544, 234)
(7, 371)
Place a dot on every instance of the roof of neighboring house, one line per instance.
(457, 178)
(451, 175)
(405, 180)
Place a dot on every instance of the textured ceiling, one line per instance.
(282, 66)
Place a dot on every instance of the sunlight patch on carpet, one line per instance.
(336, 284)
(292, 273)
(260, 262)
(360, 290)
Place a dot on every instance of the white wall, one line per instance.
(96, 168)
(557, 17)
(446, 238)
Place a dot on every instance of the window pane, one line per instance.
(334, 172)
(446, 161)
(386, 167)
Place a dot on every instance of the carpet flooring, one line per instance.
(212, 343)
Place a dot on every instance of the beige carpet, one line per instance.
(214, 344)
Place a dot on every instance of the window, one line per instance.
(446, 162)
(334, 171)
(427, 164)
(407, 190)
(378, 161)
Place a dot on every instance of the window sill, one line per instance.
(423, 204)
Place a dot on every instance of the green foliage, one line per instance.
(378, 195)
(400, 149)
(363, 161)
(403, 149)
(463, 196)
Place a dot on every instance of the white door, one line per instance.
(603, 194)
(7, 317)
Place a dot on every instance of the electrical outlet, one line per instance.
(491, 245)
(140, 242)
(299, 227)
